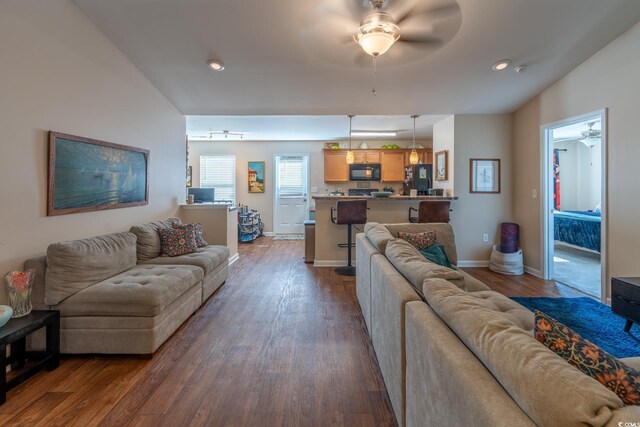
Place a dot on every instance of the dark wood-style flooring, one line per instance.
(281, 343)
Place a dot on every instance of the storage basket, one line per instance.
(511, 264)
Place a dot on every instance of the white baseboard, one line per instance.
(533, 271)
(268, 234)
(234, 258)
(473, 264)
(332, 263)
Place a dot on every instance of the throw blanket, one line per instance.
(577, 228)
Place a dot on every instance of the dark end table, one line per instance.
(15, 333)
(625, 299)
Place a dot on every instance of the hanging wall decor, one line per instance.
(256, 177)
(485, 175)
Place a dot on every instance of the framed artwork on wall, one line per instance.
(442, 162)
(485, 175)
(88, 175)
(256, 177)
(189, 176)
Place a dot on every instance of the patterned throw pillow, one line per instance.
(177, 241)
(589, 358)
(419, 240)
(197, 229)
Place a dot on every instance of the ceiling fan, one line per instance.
(592, 136)
(379, 30)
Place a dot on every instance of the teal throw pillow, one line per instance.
(436, 254)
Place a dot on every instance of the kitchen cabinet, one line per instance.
(392, 163)
(366, 156)
(336, 168)
(424, 155)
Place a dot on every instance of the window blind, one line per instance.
(291, 181)
(219, 172)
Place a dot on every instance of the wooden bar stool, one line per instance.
(431, 211)
(349, 212)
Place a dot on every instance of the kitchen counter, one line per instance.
(385, 210)
(219, 223)
(385, 199)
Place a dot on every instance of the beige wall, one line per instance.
(480, 136)
(60, 73)
(609, 79)
(266, 150)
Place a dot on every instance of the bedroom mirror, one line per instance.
(574, 201)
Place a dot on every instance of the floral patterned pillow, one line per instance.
(589, 358)
(197, 229)
(420, 240)
(177, 241)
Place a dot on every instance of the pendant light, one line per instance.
(350, 155)
(413, 158)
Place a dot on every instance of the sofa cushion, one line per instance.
(149, 239)
(378, 235)
(177, 241)
(144, 290)
(473, 284)
(416, 268)
(444, 235)
(588, 358)
(197, 230)
(77, 264)
(549, 391)
(419, 240)
(207, 258)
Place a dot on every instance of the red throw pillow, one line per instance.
(197, 229)
(177, 241)
(419, 240)
(589, 358)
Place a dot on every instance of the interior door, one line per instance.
(291, 201)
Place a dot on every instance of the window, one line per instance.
(219, 172)
(290, 177)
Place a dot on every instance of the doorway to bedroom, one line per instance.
(574, 201)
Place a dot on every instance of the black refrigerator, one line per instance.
(418, 177)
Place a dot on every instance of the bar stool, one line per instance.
(431, 211)
(349, 212)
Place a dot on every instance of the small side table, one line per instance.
(625, 299)
(15, 333)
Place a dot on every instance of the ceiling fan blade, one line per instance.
(436, 13)
(419, 38)
(346, 39)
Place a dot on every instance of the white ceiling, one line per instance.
(277, 63)
(574, 131)
(306, 128)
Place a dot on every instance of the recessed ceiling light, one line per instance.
(503, 64)
(216, 64)
(372, 133)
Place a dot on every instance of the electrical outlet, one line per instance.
(485, 237)
(534, 194)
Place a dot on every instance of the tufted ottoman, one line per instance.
(132, 312)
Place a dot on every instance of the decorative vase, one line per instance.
(19, 287)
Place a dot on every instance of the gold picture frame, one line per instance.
(441, 161)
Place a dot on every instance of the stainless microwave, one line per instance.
(364, 172)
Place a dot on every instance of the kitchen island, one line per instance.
(394, 209)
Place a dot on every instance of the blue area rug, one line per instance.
(592, 320)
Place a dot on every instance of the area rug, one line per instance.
(592, 320)
(289, 237)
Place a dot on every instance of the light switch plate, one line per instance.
(314, 189)
(534, 194)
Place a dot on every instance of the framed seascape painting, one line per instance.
(256, 177)
(441, 160)
(485, 175)
(88, 175)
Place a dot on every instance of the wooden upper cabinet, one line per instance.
(424, 156)
(366, 156)
(393, 162)
(336, 168)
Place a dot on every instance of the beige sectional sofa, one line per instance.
(117, 295)
(453, 352)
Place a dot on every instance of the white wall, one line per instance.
(246, 151)
(444, 139)
(609, 79)
(580, 175)
(59, 72)
(489, 137)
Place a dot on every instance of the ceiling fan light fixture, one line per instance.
(378, 32)
(215, 64)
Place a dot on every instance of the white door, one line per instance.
(291, 205)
